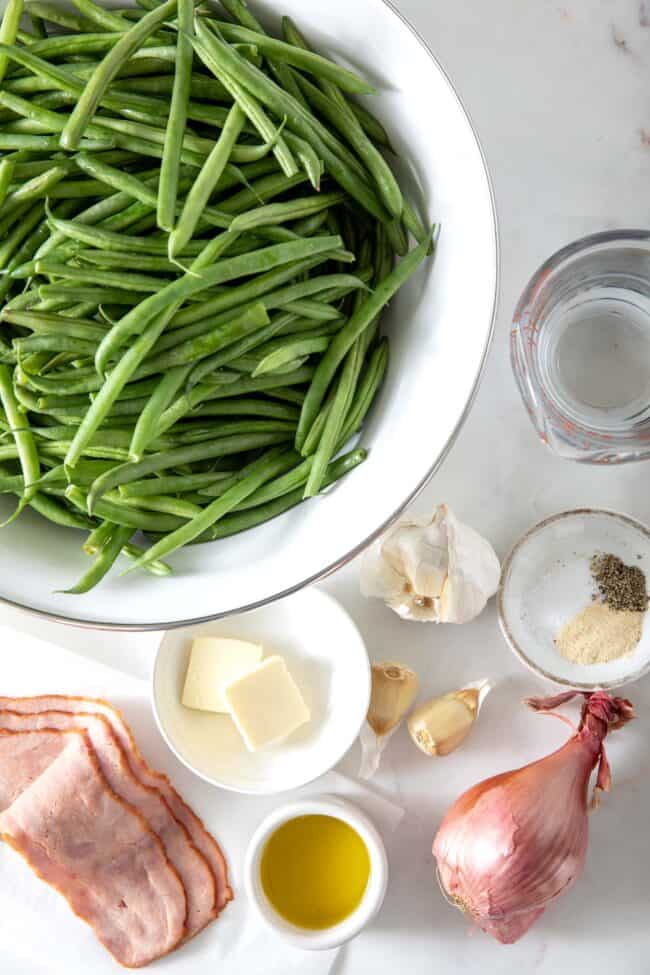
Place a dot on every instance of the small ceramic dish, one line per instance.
(372, 899)
(546, 581)
(326, 656)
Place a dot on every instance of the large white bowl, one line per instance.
(440, 326)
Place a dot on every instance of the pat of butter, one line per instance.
(266, 704)
(215, 662)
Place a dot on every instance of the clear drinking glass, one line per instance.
(580, 347)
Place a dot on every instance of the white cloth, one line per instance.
(39, 934)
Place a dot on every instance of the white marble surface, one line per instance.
(559, 96)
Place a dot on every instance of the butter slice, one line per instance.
(214, 662)
(266, 704)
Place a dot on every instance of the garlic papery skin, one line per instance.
(440, 725)
(515, 842)
(394, 687)
(431, 569)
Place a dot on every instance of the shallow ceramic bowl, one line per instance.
(546, 581)
(440, 325)
(327, 658)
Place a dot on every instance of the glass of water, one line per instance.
(580, 347)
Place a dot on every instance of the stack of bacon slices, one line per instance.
(92, 819)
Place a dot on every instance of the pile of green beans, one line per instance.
(199, 231)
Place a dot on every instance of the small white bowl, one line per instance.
(325, 654)
(546, 581)
(377, 881)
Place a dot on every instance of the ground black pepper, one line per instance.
(620, 586)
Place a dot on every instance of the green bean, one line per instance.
(161, 397)
(257, 473)
(62, 45)
(305, 60)
(57, 513)
(249, 105)
(127, 281)
(289, 352)
(123, 182)
(154, 566)
(256, 262)
(329, 439)
(179, 507)
(113, 385)
(42, 322)
(99, 16)
(107, 240)
(213, 362)
(8, 29)
(413, 223)
(262, 286)
(103, 296)
(25, 445)
(34, 189)
(241, 387)
(372, 126)
(92, 94)
(23, 228)
(367, 390)
(67, 81)
(332, 105)
(343, 341)
(205, 182)
(250, 319)
(240, 12)
(7, 167)
(200, 87)
(175, 456)
(242, 520)
(105, 559)
(220, 58)
(116, 259)
(280, 213)
(170, 484)
(98, 537)
(58, 15)
(170, 167)
(124, 514)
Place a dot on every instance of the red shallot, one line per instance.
(513, 843)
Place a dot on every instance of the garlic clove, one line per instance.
(440, 725)
(394, 687)
(393, 691)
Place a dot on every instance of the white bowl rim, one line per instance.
(364, 699)
(503, 585)
(373, 897)
(352, 554)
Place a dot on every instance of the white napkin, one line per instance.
(39, 935)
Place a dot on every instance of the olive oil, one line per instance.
(314, 871)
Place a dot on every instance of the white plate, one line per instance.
(546, 581)
(327, 657)
(440, 325)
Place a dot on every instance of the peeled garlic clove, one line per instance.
(440, 725)
(393, 691)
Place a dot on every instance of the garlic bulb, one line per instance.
(393, 691)
(439, 726)
(431, 569)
